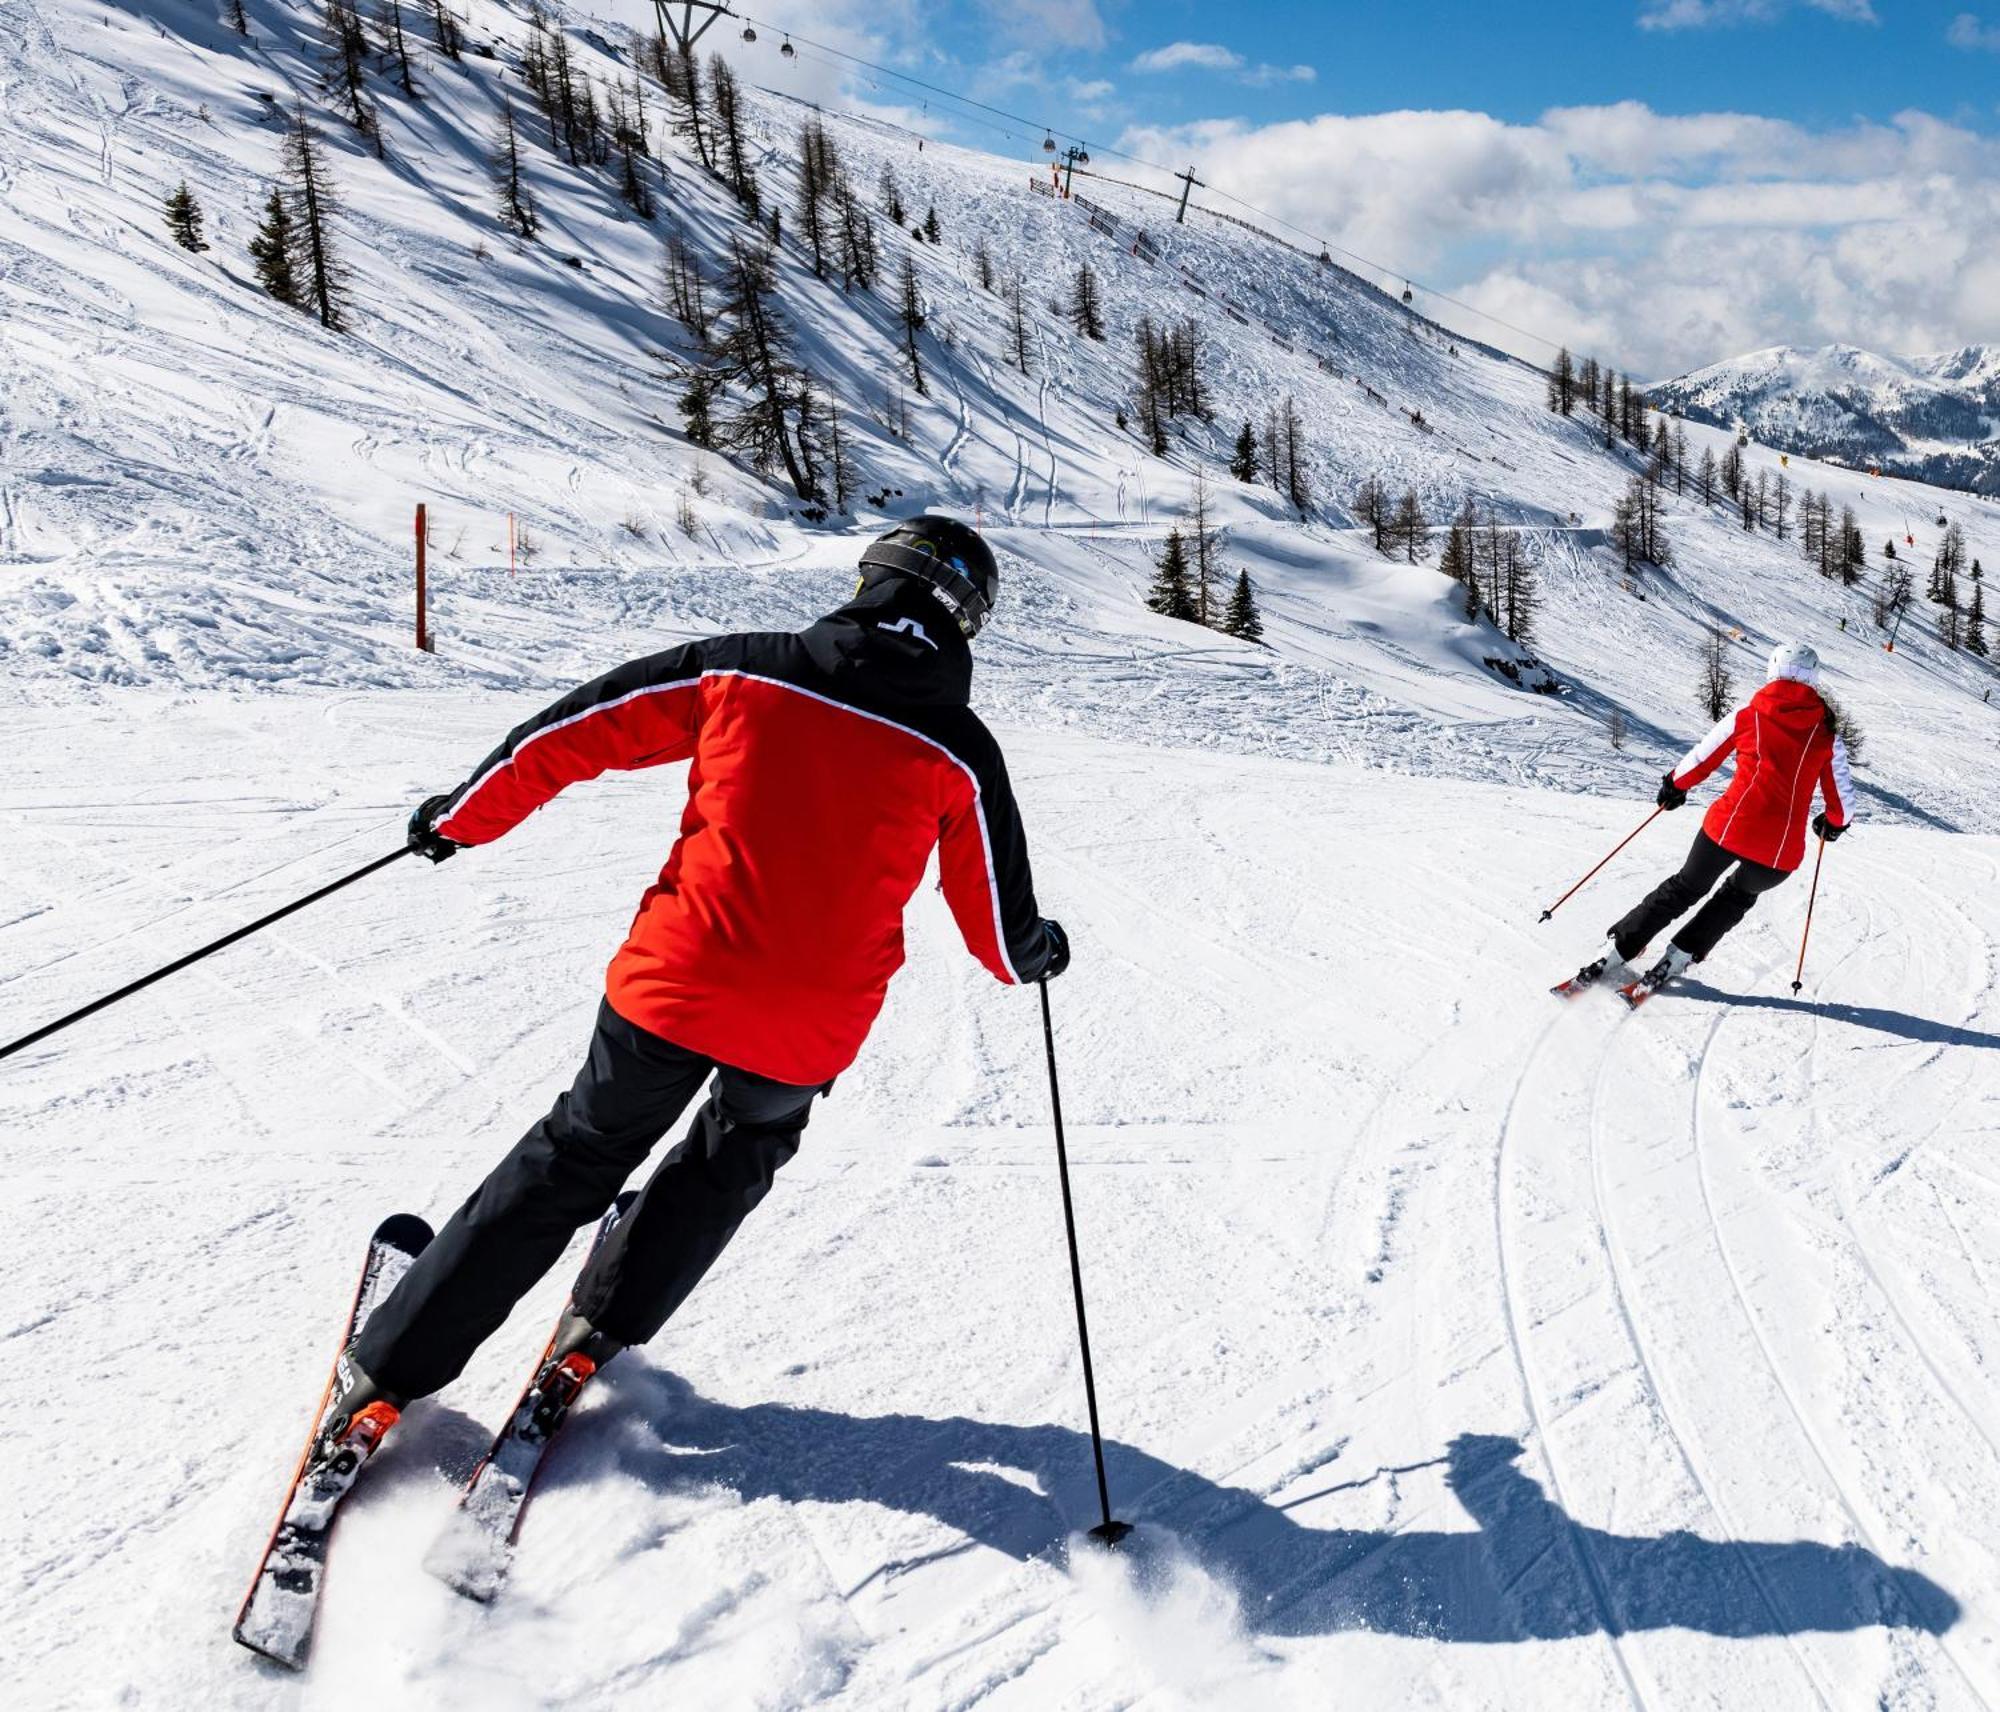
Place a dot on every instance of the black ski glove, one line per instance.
(1671, 795)
(1825, 828)
(1057, 959)
(428, 844)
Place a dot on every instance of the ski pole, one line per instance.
(179, 963)
(1799, 974)
(1107, 1532)
(1627, 839)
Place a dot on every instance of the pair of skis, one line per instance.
(1634, 992)
(472, 1554)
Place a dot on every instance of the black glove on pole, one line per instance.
(1106, 1532)
(179, 963)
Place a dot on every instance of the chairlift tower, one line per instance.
(683, 32)
(1187, 182)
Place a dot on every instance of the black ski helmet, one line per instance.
(946, 554)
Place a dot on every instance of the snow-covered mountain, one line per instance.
(1934, 418)
(1454, 1348)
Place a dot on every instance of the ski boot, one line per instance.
(1669, 968)
(577, 1351)
(1591, 973)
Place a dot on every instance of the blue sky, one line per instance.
(1666, 182)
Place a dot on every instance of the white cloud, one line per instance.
(1179, 56)
(1095, 90)
(1213, 56)
(1049, 23)
(1715, 14)
(1662, 241)
(1968, 32)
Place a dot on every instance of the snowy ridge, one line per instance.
(1936, 418)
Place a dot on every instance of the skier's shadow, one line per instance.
(1523, 1570)
(1898, 1023)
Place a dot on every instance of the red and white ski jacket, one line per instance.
(1785, 746)
(825, 767)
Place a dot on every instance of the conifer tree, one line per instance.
(1707, 478)
(311, 202)
(726, 100)
(1206, 541)
(1243, 461)
(690, 103)
(1017, 322)
(1291, 432)
(1562, 383)
(1242, 620)
(237, 20)
(860, 262)
(933, 233)
(911, 316)
(398, 48)
(1716, 690)
(1172, 596)
(1086, 308)
(685, 298)
(1409, 529)
(755, 350)
(892, 196)
(1371, 506)
(184, 218)
(982, 262)
(1975, 623)
(444, 28)
(345, 62)
(1519, 597)
(820, 181)
(271, 252)
(840, 462)
(697, 408)
(517, 203)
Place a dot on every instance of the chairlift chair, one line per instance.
(1409, 293)
(788, 50)
(749, 33)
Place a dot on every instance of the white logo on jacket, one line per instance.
(909, 627)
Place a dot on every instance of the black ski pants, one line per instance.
(562, 1175)
(1672, 898)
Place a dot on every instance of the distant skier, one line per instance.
(1787, 743)
(826, 767)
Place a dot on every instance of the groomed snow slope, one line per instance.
(1458, 1349)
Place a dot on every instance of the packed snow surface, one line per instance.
(1456, 1347)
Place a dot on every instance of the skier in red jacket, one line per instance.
(1786, 745)
(825, 767)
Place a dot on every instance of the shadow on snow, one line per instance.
(1899, 1023)
(1524, 1571)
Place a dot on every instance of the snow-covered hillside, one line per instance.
(1457, 1349)
(1935, 418)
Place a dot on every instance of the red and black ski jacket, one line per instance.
(825, 767)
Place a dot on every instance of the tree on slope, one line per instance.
(726, 100)
(1242, 620)
(1562, 383)
(1206, 541)
(1409, 529)
(1974, 639)
(396, 46)
(911, 316)
(1371, 506)
(1172, 595)
(310, 200)
(444, 27)
(271, 252)
(345, 67)
(1716, 689)
(517, 204)
(1086, 305)
(1243, 461)
(754, 351)
(184, 218)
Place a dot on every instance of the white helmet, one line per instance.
(1794, 660)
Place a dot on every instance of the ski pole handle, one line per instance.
(180, 963)
(1812, 897)
(1627, 839)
